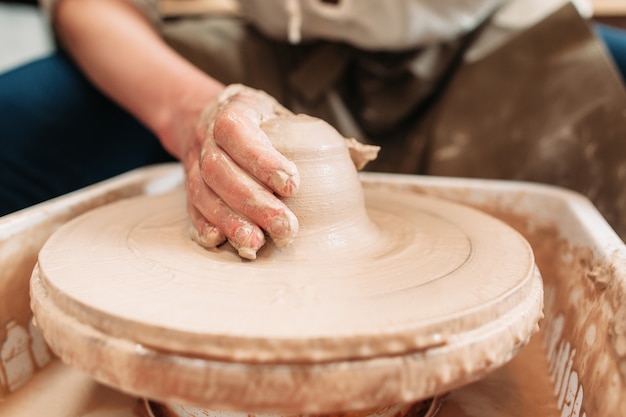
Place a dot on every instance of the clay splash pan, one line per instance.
(571, 367)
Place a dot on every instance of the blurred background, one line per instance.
(24, 33)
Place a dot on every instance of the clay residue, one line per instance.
(587, 293)
(585, 287)
(425, 408)
(22, 234)
(361, 153)
(521, 388)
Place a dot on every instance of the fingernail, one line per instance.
(285, 183)
(283, 229)
(247, 240)
(247, 253)
(210, 237)
(213, 235)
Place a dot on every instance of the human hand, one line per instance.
(234, 175)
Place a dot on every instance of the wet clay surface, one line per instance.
(355, 384)
(385, 298)
(290, 301)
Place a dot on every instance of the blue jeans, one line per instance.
(615, 41)
(58, 134)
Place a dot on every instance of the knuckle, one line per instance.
(226, 125)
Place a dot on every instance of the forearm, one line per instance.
(124, 56)
(233, 174)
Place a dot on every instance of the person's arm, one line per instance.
(120, 51)
(231, 168)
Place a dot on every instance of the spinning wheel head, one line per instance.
(385, 297)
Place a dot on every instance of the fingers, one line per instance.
(203, 232)
(233, 171)
(246, 196)
(237, 131)
(212, 219)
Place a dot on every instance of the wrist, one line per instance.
(176, 124)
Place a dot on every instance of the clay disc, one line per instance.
(442, 279)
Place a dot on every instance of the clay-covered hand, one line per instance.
(234, 175)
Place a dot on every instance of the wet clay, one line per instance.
(426, 408)
(584, 327)
(383, 298)
(583, 333)
(522, 388)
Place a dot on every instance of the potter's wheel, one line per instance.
(429, 296)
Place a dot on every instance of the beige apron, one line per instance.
(364, 94)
